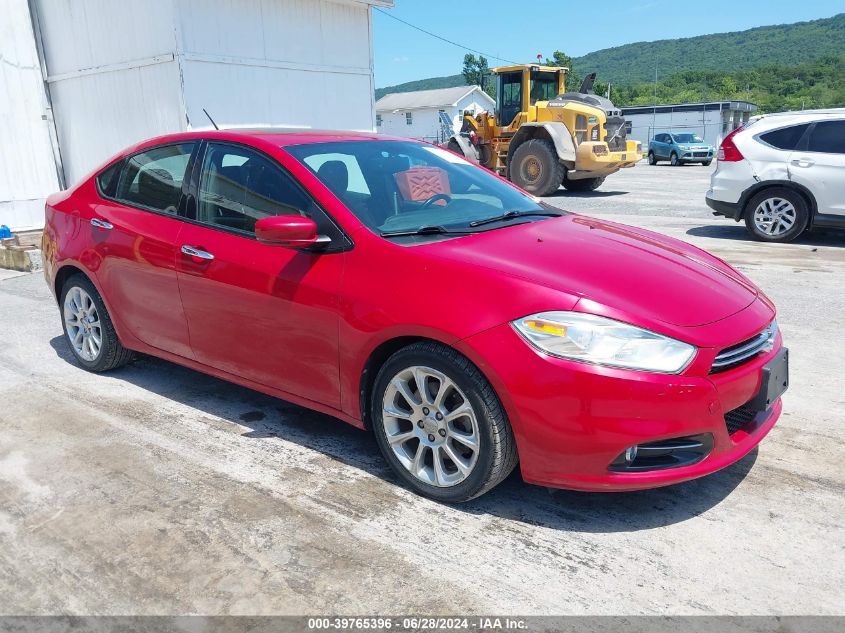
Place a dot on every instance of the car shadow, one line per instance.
(737, 232)
(563, 193)
(513, 499)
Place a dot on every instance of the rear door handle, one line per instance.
(802, 162)
(195, 252)
(101, 224)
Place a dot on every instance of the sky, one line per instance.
(518, 31)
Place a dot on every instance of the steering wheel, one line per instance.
(435, 198)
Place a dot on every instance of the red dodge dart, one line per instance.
(402, 289)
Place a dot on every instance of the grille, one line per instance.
(736, 355)
(615, 134)
(699, 154)
(739, 418)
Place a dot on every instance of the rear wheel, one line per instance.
(440, 425)
(585, 184)
(674, 160)
(776, 215)
(652, 160)
(535, 167)
(88, 327)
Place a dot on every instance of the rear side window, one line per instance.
(786, 137)
(827, 137)
(153, 178)
(107, 180)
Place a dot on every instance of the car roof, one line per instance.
(280, 137)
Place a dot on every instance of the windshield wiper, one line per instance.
(424, 230)
(513, 214)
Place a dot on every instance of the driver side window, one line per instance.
(239, 186)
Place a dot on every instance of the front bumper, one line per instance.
(571, 420)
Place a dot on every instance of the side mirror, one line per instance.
(290, 231)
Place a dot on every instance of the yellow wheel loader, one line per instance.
(541, 137)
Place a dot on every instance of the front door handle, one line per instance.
(101, 224)
(802, 162)
(195, 252)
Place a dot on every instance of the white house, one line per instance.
(81, 79)
(711, 121)
(418, 114)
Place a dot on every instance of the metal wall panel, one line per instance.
(300, 63)
(88, 34)
(99, 114)
(27, 164)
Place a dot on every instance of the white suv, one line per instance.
(783, 174)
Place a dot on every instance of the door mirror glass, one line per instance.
(290, 231)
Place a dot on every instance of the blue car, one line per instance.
(679, 149)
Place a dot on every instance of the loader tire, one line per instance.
(535, 167)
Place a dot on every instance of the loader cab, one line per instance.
(519, 87)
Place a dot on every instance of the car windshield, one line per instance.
(407, 187)
(687, 138)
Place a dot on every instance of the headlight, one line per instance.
(593, 339)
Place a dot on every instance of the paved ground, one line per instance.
(159, 490)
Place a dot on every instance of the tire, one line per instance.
(788, 208)
(585, 184)
(535, 167)
(428, 437)
(79, 292)
(707, 163)
(652, 160)
(673, 159)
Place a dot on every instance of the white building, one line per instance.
(82, 79)
(418, 114)
(712, 121)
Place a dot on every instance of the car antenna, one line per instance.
(210, 119)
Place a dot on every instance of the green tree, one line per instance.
(561, 59)
(474, 68)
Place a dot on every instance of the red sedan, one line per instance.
(396, 286)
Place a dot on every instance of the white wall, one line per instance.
(28, 170)
(120, 72)
(113, 76)
(301, 63)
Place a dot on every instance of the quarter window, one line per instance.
(152, 179)
(786, 137)
(827, 137)
(239, 187)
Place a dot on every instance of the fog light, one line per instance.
(630, 454)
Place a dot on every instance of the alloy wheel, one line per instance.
(82, 322)
(774, 216)
(431, 426)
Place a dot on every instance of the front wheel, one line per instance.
(535, 167)
(585, 184)
(440, 425)
(707, 163)
(673, 159)
(88, 327)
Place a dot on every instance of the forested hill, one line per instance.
(728, 53)
(787, 44)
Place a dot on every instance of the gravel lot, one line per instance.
(157, 490)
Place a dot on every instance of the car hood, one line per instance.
(640, 273)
